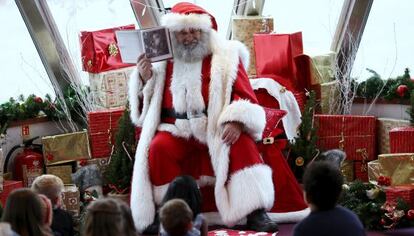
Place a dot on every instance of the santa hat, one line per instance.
(186, 15)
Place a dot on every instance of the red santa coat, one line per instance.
(236, 196)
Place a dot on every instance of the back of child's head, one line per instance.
(127, 220)
(323, 184)
(185, 187)
(49, 185)
(24, 212)
(47, 210)
(103, 218)
(176, 217)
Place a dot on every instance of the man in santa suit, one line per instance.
(200, 105)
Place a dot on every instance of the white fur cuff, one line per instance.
(251, 115)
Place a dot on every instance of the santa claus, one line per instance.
(200, 105)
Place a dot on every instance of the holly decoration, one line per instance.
(384, 180)
(392, 88)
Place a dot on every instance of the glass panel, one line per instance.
(387, 43)
(221, 10)
(316, 19)
(22, 71)
(71, 17)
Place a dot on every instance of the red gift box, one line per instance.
(406, 192)
(282, 55)
(8, 187)
(402, 140)
(103, 126)
(361, 170)
(353, 134)
(99, 50)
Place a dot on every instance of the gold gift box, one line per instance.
(64, 172)
(347, 169)
(374, 171)
(398, 166)
(63, 148)
(243, 28)
(329, 97)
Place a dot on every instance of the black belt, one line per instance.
(170, 113)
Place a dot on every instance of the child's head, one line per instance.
(103, 218)
(176, 217)
(322, 184)
(23, 212)
(47, 210)
(185, 187)
(128, 221)
(49, 185)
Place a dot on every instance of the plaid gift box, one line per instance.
(71, 199)
(353, 134)
(405, 192)
(8, 187)
(243, 28)
(103, 126)
(402, 140)
(384, 126)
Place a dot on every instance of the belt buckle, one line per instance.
(268, 140)
(194, 114)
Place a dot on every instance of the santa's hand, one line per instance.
(144, 67)
(232, 131)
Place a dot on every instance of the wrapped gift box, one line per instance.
(406, 192)
(347, 169)
(30, 174)
(402, 140)
(62, 171)
(65, 148)
(374, 171)
(71, 199)
(8, 187)
(109, 89)
(243, 28)
(99, 50)
(353, 134)
(361, 170)
(102, 130)
(398, 166)
(329, 97)
(101, 163)
(384, 126)
(324, 66)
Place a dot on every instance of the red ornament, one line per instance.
(38, 100)
(384, 180)
(402, 90)
(410, 214)
(382, 222)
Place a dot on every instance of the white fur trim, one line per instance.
(214, 218)
(286, 101)
(159, 193)
(251, 115)
(134, 93)
(177, 22)
(248, 189)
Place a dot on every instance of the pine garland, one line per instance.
(119, 170)
(303, 148)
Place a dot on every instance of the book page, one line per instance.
(130, 45)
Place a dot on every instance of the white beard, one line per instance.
(193, 52)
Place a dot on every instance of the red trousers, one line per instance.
(171, 156)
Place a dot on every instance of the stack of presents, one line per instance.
(67, 155)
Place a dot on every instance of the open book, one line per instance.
(154, 42)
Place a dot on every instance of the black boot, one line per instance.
(259, 221)
(154, 228)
